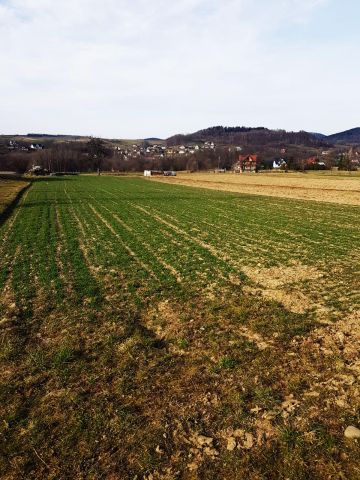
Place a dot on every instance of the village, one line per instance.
(154, 156)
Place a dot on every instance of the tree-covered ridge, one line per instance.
(247, 136)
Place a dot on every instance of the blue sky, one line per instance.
(138, 68)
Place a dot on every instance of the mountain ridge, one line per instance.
(261, 136)
(347, 136)
(247, 136)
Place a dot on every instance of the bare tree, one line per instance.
(97, 151)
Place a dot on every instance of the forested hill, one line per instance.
(349, 136)
(248, 136)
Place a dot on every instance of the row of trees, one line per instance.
(243, 136)
(97, 155)
(59, 157)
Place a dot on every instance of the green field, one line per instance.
(155, 331)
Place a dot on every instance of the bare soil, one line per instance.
(317, 186)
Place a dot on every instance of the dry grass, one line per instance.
(9, 189)
(342, 188)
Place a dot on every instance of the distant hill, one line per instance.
(49, 135)
(347, 137)
(320, 136)
(240, 136)
(44, 138)
(247, 136)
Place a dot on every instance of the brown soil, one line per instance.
(342, 189)
(277, 283)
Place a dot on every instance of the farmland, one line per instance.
(320, 186)
(159, 331)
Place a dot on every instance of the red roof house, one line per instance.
(246, 163)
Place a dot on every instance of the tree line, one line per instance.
(96, 155)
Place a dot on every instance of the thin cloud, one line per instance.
(136, 68)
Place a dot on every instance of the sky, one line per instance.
(145, 68)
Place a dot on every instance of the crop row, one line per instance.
(73, 240)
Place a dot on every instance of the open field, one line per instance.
(154, 331)
(9, 189)
(320, 186)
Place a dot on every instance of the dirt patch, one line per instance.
(282, 285)
(259, 341)
(278, 277)
(164, 321)
(337, 343)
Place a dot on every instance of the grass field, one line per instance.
(156, 331)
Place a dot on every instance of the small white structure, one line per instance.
(280, 163)
(147, 173)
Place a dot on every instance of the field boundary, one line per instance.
(6, 213)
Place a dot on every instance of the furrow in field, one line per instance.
(147, 248)
(214, 251)
(309, 291)
(24, 232)
(274, 233)
(44, 264)
(136, 236)
(188, 254)
(233, 240)
(235, 227)
(103, 270)
(279, 246)
(217, 252)
(61, 255)
(82, 242)
(103, 247)
(231, 234)
(121, 241)
(84, 287)
(141, 249)
(188, 257)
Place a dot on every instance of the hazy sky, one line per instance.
(139, 68)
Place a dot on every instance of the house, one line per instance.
(311, 162)
(246, 163)
(279, 163)
(36, 146)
